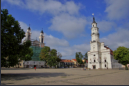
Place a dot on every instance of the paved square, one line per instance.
(71, 76)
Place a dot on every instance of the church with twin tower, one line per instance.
(99, 56)
(39, 43)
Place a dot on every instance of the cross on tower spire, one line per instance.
(42, 30)
(93, 18)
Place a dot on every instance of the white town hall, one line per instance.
(100, 56)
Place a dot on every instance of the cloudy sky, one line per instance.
(67, 23)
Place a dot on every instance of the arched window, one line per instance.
(93, 25)
(105, 60)
(94, 60)
(105, 65)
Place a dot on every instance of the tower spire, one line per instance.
(42, 30)
(93, 18)
(29, 27)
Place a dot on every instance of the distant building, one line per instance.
(20, 64)
(100, 56)
(36, 46)
(86, 63)
(66, 63)
(32, 64)
(75, 62)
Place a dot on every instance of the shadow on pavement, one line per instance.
(6, 83)
(22, 76)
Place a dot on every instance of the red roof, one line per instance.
(74, 59)
(111, 52)
(65, 60)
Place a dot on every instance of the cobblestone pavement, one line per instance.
(71, 76)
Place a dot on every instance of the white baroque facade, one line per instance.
(99, 56)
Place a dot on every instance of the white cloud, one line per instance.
(24, 27)
(70, 26)
(70, 51)
(105, 25)
(117, 9)
(16, 2)
(51, 6)
(66, 18)
(55, 42)
(119, 38)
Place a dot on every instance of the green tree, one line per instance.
(79, 57)
(59, 57)
(50, 56)
(52, 61)
(45, 53)
(29, 55)
(122, 55)
(11, 36)
(86, 56)
(53, 52)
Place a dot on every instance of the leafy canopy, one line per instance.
(11, 35)
(86, 56)
(79, 57)
(50, 56)
(29, 55)
(45, 53)
(122, 55)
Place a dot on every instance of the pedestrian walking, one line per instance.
(35, 68)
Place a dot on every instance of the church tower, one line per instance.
(28, 34)
(99, 56)
(94, 31)
(94, 54)
(41, 39)
(94, 36)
